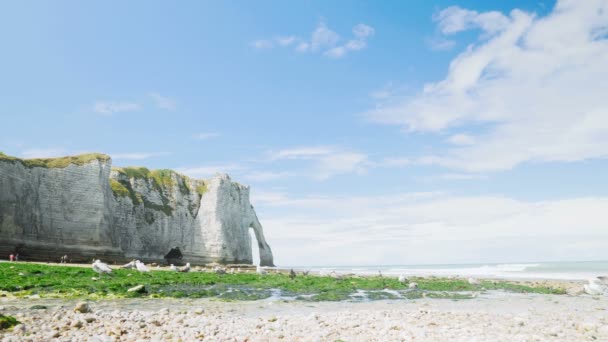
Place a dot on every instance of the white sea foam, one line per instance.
(551, 270)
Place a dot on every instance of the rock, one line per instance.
(199, 311)
(82, 307)
(473, 281)
(19, 329)
(38, 307)
(90, 319)
(413, 285)
(77, 324)
(96, 201)
(138, 289)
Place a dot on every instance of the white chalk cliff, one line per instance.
(83, 207)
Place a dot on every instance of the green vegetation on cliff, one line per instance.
(59, 163)
(48, 281)
(119, 189)
(201, 188)
(161, 180)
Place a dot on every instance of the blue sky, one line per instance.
(418, 131)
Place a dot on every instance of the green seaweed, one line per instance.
(50, 281)
(7, 322)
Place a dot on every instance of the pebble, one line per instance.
(484, 319)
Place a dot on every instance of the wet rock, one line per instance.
(38, 307)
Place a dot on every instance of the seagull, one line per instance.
(219, 270)
(595, 287)
(141, 267)
(292, 274)
(173, 268)
(185, 268)
(473, 281)
(101, 268)
(260, 270)
(402, 279)
(129, 265)
(306, 272)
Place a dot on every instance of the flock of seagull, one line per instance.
(103, 268)
(596, 286)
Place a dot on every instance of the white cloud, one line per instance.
(206, 135)
(413, 228)
(327, 161)
(111, 107)
(301, 152)
(323, 37)
(395, 162)
(322, 40)
(363, 31)
(265, 176)
(455, 19)
(440, 43)
(461, 139)
(535, 84)
(262, 44)
(205, 171)
(286, 40)
(163, 102)
(44, 153)
(302, 47)
(137, 155)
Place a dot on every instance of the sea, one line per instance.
(570, 270)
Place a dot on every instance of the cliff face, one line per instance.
(82, 207)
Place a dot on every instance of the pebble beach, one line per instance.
(489, 317)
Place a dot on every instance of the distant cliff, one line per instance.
(83, 207)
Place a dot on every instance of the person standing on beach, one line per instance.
(17, 257)
(11, 257)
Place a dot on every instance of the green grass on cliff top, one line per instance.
(50, 281)
(60, 163)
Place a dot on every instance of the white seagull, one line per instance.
(129, 265)
(260, 270)
(141, 267)
(173, 268)
(101, 268)
(402, 279)
(185, 268)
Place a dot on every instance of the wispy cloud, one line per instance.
(111, 107)
(163, 102)
(206, 135)
(137, 155)
(44, 153)
(205, 171)
(265, 176)
(327, 161)
(440, 43)
(518, 81)
(322, 40)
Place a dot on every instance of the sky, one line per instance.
(394, 132)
